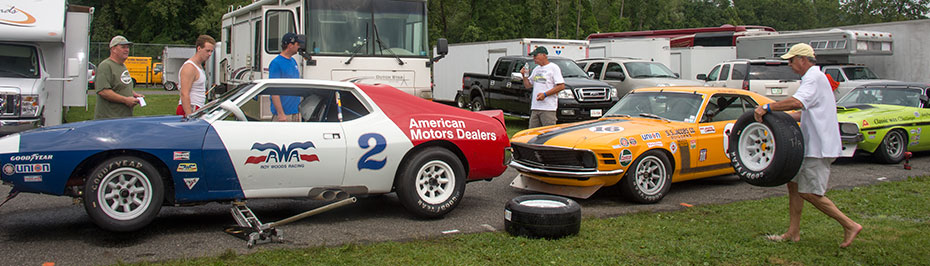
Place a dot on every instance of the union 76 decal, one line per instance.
(279, 157)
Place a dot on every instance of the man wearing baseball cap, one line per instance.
(822, 144)
(115, 96)
(286, 108)
(546, 80)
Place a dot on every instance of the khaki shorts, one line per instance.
(540, 118)
(813, 176)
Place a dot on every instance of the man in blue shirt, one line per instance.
(286, 108)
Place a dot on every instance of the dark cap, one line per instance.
(290, 37)
(539, 50)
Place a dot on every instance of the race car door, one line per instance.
(710, 142)
(286, 159)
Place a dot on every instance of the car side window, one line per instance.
(723, 107)
(835, 73)
(714, 73)
(614, 68)
(502, 68)
(596, 68)
(739, 72)
(724, 72)
(352, 107)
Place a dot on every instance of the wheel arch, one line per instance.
(668, 155)
(884, 133)
(445, 144)
(82, 171)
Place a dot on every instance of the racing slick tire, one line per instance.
(542, 216)
(648, 178)
(123, 194)
(769, 153)
(892, 148)
(431, 183)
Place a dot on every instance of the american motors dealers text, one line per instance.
(446, 129)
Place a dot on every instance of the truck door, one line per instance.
(278, 21)
(499, 83)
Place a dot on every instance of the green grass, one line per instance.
(895, 215)
(515, 124)
(155, 105)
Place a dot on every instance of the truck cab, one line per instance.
(850, 77)
(22, 87)
(627, 74)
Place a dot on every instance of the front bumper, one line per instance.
(850, 144)
(573, 111)
(20, 125)
(561, 173)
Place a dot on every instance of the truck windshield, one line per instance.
(19, 61)
(648, 70)
(568, 67)
(854, 73)
(350, 27)
(675, 106)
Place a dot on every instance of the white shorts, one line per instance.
(813, 176)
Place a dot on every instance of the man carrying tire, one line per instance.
(820, 130)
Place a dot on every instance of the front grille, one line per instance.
(592, 94)
(9, 104)
(555, 158)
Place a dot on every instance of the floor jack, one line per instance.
(254, 231)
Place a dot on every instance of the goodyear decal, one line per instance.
(542, 138)
(31, 157)
(626, 157)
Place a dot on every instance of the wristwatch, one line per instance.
(768, 108)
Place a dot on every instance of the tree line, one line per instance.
(181, 21)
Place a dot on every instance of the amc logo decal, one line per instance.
(16, 17)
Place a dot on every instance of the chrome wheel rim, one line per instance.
(435, 182)
(124, 194)
(894, 144)
(650, 175)
(542, 203)
(756, 146)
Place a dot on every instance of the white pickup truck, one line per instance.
(850, 77)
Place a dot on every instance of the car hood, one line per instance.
(668, 81)
(860, 82)
(603, 133)
(584, 83)
(872, 115)
(136, 132)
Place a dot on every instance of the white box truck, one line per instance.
(688, 62)
(650, 49)
(44, 52)
(172, 58)
(480, 57)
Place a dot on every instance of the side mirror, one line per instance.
(702, 77)
(232, 108)
(442, 46)
(591, 75)
(516, 77)
(677, 76)
(615, 76)
(303, 50)
(925, 99)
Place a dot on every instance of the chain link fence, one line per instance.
(101, 50)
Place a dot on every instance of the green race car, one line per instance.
(893, 117)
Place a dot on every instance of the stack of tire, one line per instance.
(767, 153)
(542, 216)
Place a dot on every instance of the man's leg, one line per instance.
(534, 119)
(851, 229)
(795, 206)
(547, 118)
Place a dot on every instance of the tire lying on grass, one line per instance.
(769, 153)
(542, 216)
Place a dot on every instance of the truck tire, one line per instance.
(170, 86)
(431, 182)
(769, 153)
(893, 147)
(477, 103)
(461, 101)
(542, 216)
(123, 194)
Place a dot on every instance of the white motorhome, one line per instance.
(44, 50)
(377, 41)
(650, 49)
(688, 62)
(479, 57)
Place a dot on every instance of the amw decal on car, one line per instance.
(296, 152)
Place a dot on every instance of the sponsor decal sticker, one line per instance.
(708, 130)
(187, 167)
(8, 169)
(31, 168)
(672, 146)
(624, 142)
(605, 129)
(32, 178)
(916, 114)
(703, 155)
(182, 155)
(865, 123)
(191, 182)
(651, 136)
(679, 133)
(913, 143)
(626, 157)
(617, 146)
(441, 128)
(693, 144)
(654, 144)
(13, 16)
(632, 142)
(293, 155)
(32, 157)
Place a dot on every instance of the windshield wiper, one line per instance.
(364, 43)
(381, 43)
(653, 116)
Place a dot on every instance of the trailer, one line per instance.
(911, 58)
(479, 57)
(835, 46)
(691, 61)
(724, 35)
(172, 58)
(651, 49)
(43, 50)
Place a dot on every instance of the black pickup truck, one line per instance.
(582, 98)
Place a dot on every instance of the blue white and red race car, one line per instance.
(354, 138)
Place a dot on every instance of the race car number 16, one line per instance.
(380, 144)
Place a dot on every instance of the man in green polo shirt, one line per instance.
(115, 97)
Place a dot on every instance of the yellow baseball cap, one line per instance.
(801, 49)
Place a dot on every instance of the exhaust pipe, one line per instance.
(341, 195)
(327, 194)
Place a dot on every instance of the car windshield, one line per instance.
(772, 71)
(213, 105)
(854, 73)
(881, 95)
(568, 67)
(648, 70)
(19, 61)
(674, 106)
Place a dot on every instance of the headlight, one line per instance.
(849, 128)
(613, 92)
(30, 105)
(566, 94)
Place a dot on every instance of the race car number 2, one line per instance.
(380, 144)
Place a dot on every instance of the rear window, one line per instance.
(772, 72)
